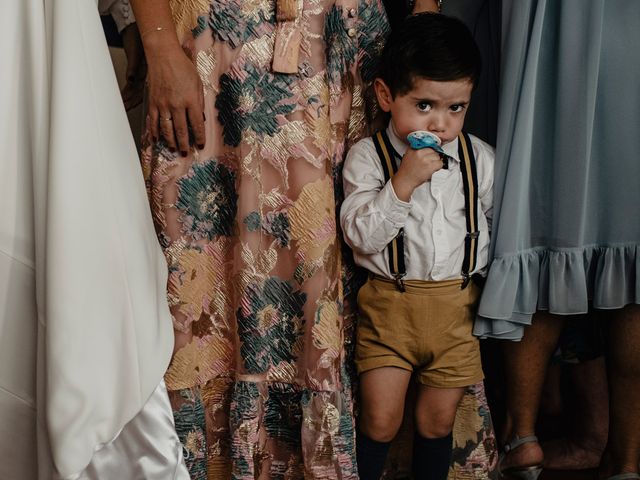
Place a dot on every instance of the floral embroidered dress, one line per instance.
(260, 380)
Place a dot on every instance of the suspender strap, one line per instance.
(469, 172)
(470, 185)
(386, 153)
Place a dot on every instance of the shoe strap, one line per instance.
(625, 476)
(518, 441)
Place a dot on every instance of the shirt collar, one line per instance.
(451, 148)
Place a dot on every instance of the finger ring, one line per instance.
(166, 119)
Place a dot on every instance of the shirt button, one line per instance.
(352, 12)
(438, 232)
(351, 32)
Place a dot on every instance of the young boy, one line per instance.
(419, 222)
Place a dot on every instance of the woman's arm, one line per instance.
(176, 98)
(426, 6)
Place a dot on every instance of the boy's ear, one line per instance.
(383, 94)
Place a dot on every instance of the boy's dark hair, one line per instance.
(432, 46)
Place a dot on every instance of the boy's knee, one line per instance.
(380, 426)
(435, 424)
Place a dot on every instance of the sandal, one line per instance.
(531, 472)
(625, 476)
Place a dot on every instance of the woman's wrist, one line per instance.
(160, 42)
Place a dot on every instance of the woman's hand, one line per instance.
(176, 98)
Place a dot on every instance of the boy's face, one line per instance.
(436, 106)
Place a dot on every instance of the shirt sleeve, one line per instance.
(371, 214)
(120, 11)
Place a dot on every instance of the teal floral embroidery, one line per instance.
(275, 224)
(341, 48)
(283, 414)
(244, 404)
(269, 324)
(373, 30)
(203, 24)
(345, 439)
(207, 200)
(253, 221)
(230, 25)
(253, 103)
(190, 427)
(244, 408)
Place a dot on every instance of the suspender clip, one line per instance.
(473, 234)
(399, 282)
(466, 278)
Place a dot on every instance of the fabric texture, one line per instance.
(259, 381)
(566, 233)
(426, 329)
(260, 286)
(146, 448)
(85, 330)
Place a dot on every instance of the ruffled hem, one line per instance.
(232, 428)
(561, 281)
(311, 432)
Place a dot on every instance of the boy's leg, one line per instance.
(434, 417)
(382, 396)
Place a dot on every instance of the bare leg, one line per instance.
(551, 404)
(583, 447)
(623, 364)
(525, 368)
(382, 393)
(436, 410)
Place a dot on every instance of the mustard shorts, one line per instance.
(426, 329)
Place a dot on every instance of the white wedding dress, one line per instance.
(85, 332)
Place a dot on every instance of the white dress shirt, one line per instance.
(434, 220)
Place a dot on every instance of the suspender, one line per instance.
(386, 153)
(470, 185)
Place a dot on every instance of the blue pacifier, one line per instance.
(423, 139)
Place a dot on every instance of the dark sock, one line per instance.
(371, 456)
(432, 457)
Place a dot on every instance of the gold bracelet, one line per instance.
(156, 29)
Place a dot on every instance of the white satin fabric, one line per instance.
(85, 332)
(147, 447)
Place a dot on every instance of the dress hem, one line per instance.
(561, 281)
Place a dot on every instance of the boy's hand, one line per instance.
(416, 168)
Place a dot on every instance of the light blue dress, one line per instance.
(566, 229)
